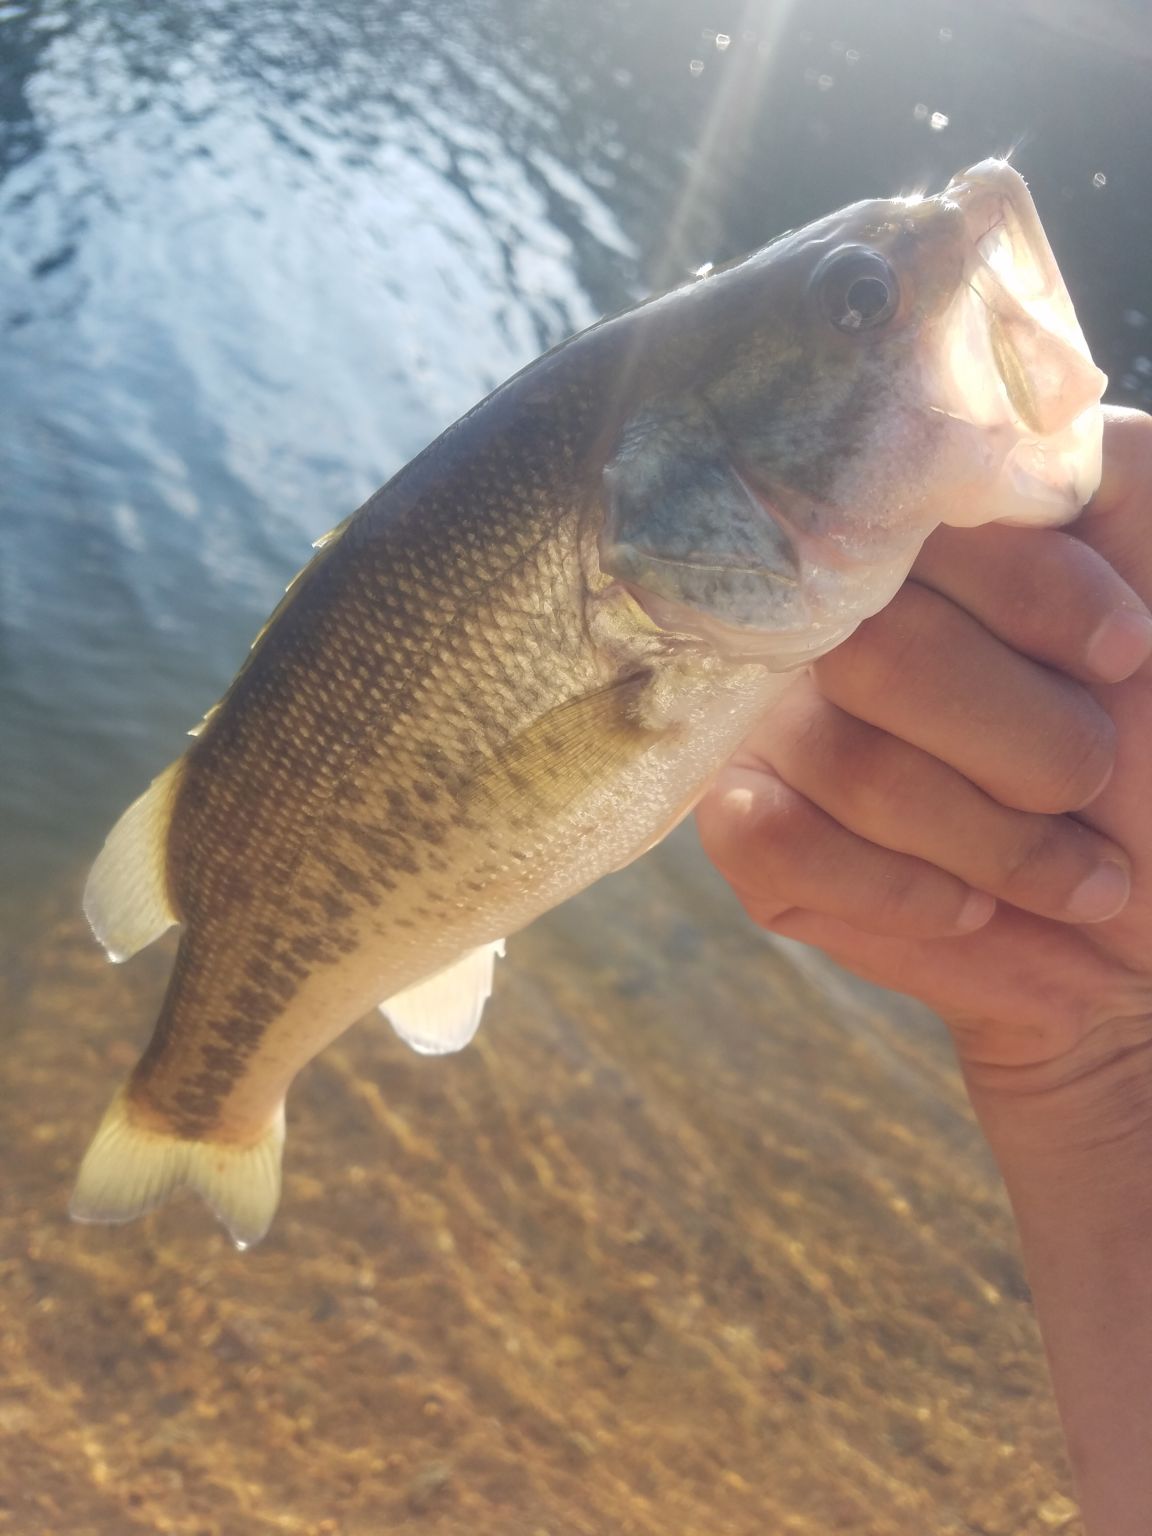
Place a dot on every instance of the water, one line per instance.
(252, 258)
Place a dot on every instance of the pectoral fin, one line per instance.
(126, 898)
(442, 1013)
(569, 750)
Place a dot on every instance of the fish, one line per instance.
(520, 663)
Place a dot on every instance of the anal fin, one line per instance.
(126, 898)
(442, 1013)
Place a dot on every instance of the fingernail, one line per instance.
(1121, 643)
(1102, 895)
(976, 911)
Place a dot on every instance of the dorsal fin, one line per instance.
(126, 898)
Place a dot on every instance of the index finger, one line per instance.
(1117, 522)
(1043, 592)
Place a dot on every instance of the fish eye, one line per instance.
(857, 289)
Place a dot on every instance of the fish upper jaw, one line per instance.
(1011, 358)
(984, 406)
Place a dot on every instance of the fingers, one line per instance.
(899, 798)
(778, 851)
(1016, 992)
(931, 675)
(1115, 522)
(1044, 593)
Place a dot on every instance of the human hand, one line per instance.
(981, 736)
(952, 802)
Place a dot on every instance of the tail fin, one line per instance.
(130, 1169)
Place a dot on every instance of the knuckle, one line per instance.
(1053, 580)
(722, 825)
(903, 889)
(1134, 430)
(748, 827)
(883, 781)
(1023, 862)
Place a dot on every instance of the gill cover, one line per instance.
(682, 526)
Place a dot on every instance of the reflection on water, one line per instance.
(252, 258)
(704, 1245)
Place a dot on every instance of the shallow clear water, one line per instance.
(252, 258)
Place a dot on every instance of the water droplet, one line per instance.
(836, 46)
(1135, 318)
(852, 56)
(722, 41)
(696, 66)
(1099, 180)
(920, 112)
(939, 121)
(824, 82)
(622, 76)
(704, 270)
(1142, 365)
(1130, 383)
(708, 34)
(945, 34)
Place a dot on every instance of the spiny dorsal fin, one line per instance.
(332, 535)
(126, 898)
(442, 1012)
(130, 1169)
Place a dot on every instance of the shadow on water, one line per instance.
(699, 1237)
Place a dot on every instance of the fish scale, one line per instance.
(518, 665)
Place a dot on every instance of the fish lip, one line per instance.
(992, 194)
(1012, 319)
(1010, 263)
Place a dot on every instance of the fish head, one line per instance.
(897, 365)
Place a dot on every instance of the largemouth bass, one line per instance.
(519, 664)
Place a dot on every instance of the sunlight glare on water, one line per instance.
(251, 265)
(698, 1236)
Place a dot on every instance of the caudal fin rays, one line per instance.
(129, 1169)
(126, 898)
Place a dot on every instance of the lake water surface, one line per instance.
(699, 1237)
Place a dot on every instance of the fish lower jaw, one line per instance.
(1009, 357)
(777, 650)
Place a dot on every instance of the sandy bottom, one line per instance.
(696, 1239)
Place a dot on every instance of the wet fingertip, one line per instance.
(1122, 643)
(976, 911)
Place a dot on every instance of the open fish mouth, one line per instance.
(938, 374)
(1016, 360)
